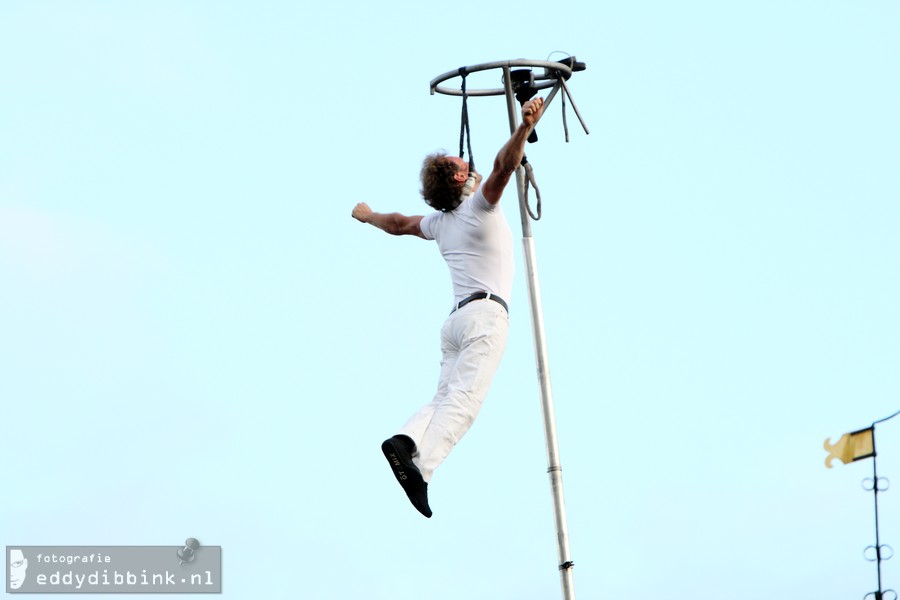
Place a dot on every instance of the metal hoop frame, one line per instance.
(541, 82)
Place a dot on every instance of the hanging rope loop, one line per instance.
(529, 179)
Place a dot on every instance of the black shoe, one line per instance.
(398, 451)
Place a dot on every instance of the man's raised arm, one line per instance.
(393, 223)
(510, 156)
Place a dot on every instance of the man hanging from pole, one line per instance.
(476, 242)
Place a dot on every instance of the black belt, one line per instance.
(481, 296)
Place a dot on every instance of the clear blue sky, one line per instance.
(197, 340)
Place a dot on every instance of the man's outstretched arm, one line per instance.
(510, 156)
(393, 223)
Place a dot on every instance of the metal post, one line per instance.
(537, 320)
(881, 593)
(878, 557)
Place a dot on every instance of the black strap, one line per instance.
(464, 133)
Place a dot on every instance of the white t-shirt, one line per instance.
(476, 242)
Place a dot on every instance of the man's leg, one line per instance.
(417, 424)
(401, 450)
(478, 339)
(472, 344)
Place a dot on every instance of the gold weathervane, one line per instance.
(851, 447)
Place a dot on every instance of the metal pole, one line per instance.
(880, 593)
(537, 320)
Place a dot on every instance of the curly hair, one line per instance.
(439, 189)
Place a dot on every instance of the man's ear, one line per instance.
(460, 177)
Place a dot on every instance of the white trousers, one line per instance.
(473, 339)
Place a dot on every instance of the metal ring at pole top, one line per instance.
(541, 82)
